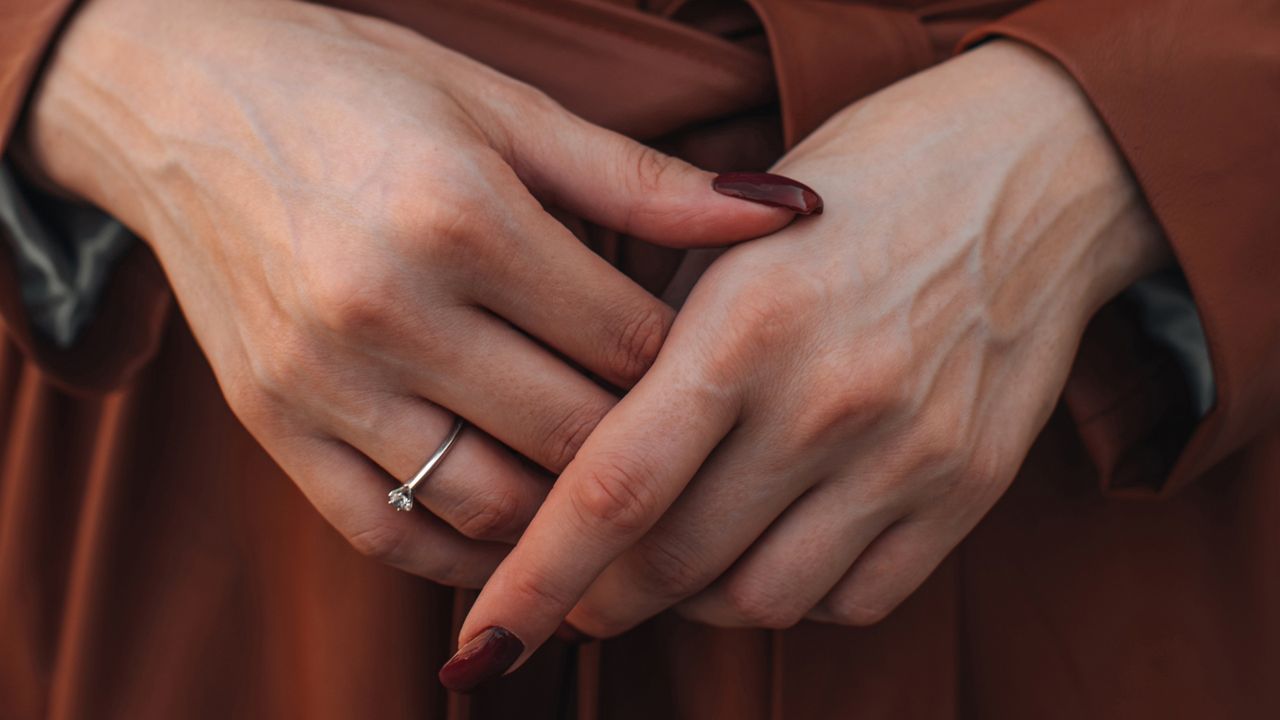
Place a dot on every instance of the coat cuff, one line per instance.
(1188, 92)
(134, 305)
(63, 255)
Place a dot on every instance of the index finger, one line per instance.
(631, 468)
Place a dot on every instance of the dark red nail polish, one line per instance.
(486, 657)
(570, 634)
(769, 189)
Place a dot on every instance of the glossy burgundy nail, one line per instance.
(769, 189)
(486, 657)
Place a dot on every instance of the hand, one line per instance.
(344, 211)
(839, 403)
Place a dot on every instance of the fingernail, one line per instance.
(769, 189)
(486, 657)
(571, 634)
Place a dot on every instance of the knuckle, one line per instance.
(491, 516)
(941, 448)
(987, 465)
(246, 398)
(379, 542)
(387, 544)
(697, 610)
(285, 363)
(773, 307)
(667, 570)
(562, 440)
(535, 590)
(526, 109)
(758, 605)
(532, 100)
(873, 387)
(845, 397)
(650, 169)
(833, 413)
(847, 612)
(638, 340)
(446, 569)
(712, 609)
(453, 216)
(977, 473)
(439, 220)
(763, 316)
(348, 302)
(616, 495)
(596, 621)
(655, 203)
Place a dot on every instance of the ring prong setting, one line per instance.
(401, 498)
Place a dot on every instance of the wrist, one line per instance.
(1067, 181)
(77, 135)
(128, 90)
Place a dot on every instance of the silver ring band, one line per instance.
(402, 497)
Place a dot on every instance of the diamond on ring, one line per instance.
(401, 498)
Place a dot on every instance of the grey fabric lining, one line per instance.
(63, 262)
(1169, 316)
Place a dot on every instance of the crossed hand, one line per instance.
(352, 218)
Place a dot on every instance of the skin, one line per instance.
(338, 202)
(839, 403)
(351, 218)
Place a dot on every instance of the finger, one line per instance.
(739, 492)
(508, 386)
(796, 562)
(622, 184)
(629, 471)
(556, 289)
(350, 492)
(480, 489)
(895, 564)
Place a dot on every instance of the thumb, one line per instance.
(624, 185)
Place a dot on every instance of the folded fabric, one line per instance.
(65, 253)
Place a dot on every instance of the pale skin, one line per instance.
(839, 403)
(833, 409)
(350, 218)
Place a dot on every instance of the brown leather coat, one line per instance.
(154, 563)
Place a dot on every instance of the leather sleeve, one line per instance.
(1190, 92)
(126, 333)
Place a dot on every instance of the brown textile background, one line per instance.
(154, 563)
